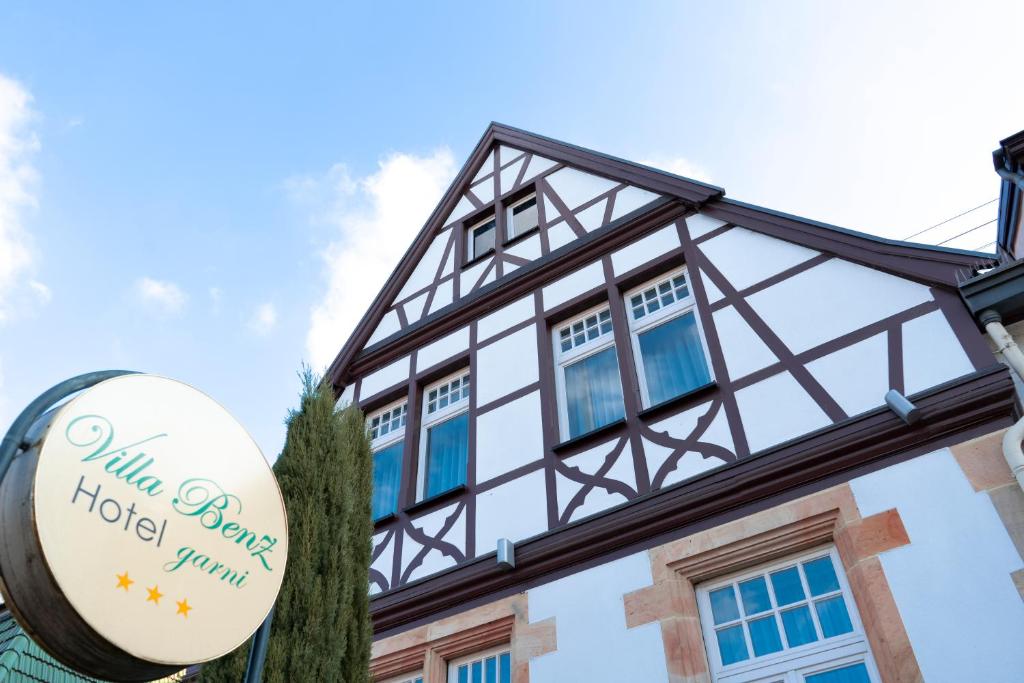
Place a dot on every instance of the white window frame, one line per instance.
(430, 419)
(470, 242)
(577, 353)
(664, 314)
(404, 678)
(454, 664)
(393, 435)
(790, 665)
(510, 224)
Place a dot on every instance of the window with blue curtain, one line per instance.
(593, 392)
(589, 367)
(387, 477)
(447, 455)
(673, 358)
(667, 339)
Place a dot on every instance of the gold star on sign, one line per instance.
(154, 594)
(123, 581)
(183, 608)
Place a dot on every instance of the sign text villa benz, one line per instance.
(161, 527)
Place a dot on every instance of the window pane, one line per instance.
(764, 635)
(731, 645)
(505, 668)
(478, 672)
(447, 450)
(858, 673)
(491, 670)
(387, 475)
(464, 674)
(593, 392)
(799, 627)
(787, 586)
(723, 605)
(821, 576)
(754, 594)
(483, 238)
(833, 617)
(673, 358)
(524, 217)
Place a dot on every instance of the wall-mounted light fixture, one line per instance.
(902, 406)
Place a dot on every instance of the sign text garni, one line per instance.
(202, 500)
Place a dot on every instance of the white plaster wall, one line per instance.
(777, 409)
(833, 299)
(589, 462)
(509, 174)
(594, 644)
(538, 165)
(485, 168)
(470, 275)
(509, 437)
(528, 249)
(857, 377)
(560, 235)
(645, 249)
(504, 318)
(386, 377)
(516, 511)
(952, 583)
(592, 216)
(743, 350)
(745, 257)
(442, 349)
(423, 274)
(346, 395)
(629, 199)
(461, 209)
(576, 187)
(442, 296)
(699, 225)
(586, 278)
(506, 365)
(414, 308)
(931, 353)
(388, 326)
(484, 190)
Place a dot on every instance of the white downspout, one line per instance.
(1014, 357)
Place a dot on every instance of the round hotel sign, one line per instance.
(160, 528)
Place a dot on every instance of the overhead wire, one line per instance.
(965, 232)
(950, 219)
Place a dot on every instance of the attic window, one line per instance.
(522, 216)
(480, 238)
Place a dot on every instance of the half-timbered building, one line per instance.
(668, 408)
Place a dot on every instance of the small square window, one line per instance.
(522, 216)
(480, 238)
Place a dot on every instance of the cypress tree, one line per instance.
(321, 629)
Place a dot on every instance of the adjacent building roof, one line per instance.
(21, 660)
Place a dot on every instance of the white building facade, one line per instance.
(672, 404)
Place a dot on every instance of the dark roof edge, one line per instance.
(611, 157)
(862, 235)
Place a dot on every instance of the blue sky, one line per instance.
(215, 192)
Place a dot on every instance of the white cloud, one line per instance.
(263, 320)
(18, 179)
(679, 166)
(163, 296)
(375, 219)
